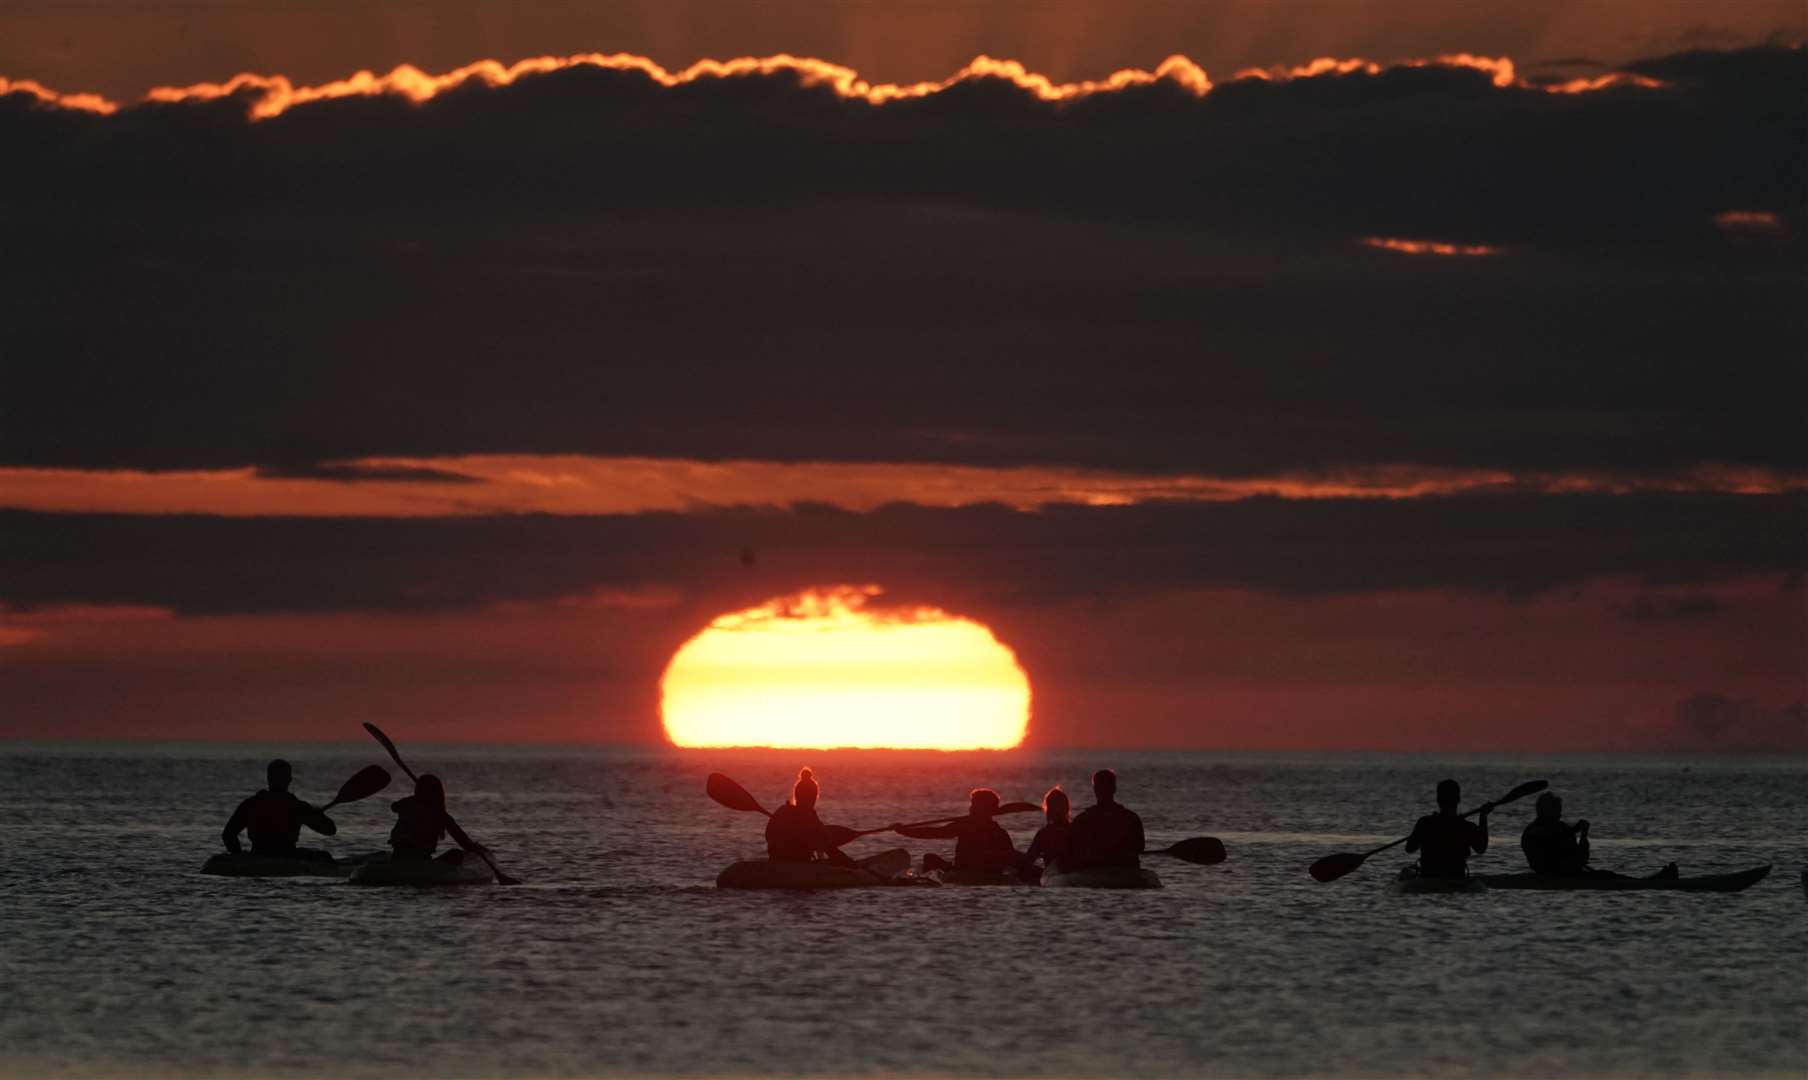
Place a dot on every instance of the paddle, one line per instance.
(1332, 867)
(377, 734)
(735, 797)
(1202, 850)
(365, 783)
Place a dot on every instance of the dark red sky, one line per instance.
(1413, 406)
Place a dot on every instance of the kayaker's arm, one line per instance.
(1480, 841)
(234, 826)
(1413, 841)
(458, 836)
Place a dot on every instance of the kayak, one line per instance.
(1413, 883)
(246, 864)
(951, 876)
(1104, 877)
(422, 872)
(879, 869)
(1610, 882)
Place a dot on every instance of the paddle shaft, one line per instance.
(1404, 839)
(377, 734)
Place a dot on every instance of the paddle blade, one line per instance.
(1332, 867)
(1018, 808)
(731, 794)
(394, 755)
(1202, 850)
(1530, 787)
(368, 781)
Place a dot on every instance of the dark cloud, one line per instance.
(1649, 608)
(1715, 722)
(586, 262)
(1515, 546)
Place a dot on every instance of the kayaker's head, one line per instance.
(1054, 806)
(429, 789)
(1449, 794)
(1104, 785)
(1550, 807)
(278, 774)
(806, 791)
(983, 802)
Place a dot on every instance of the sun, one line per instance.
(827, 668)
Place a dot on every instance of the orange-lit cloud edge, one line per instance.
(272, 95)
(487, 484)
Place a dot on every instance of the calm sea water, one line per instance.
(618, 956)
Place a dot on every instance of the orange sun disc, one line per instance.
(824, 669)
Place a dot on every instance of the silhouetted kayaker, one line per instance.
(1105, 834)
(273, 819)
(421, 821)
(1051, 840)
(794, 833)
(980, 844)
(1553, 846)
(1445, 839)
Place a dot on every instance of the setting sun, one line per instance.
(827, 668)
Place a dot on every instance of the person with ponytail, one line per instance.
(795, 834)
(1051, 840)
(421, 822)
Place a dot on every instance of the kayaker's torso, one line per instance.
(1554, 847)
(273, 821)
(1108, 834)
(1050, 843)
(420, 824)
(795, 834)
(1444, 842)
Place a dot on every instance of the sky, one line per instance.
(1295, 375)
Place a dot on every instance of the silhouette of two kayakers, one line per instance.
(273, 819)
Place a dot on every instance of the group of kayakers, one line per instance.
(1105, 834)
(274, 817)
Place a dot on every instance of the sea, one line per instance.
(618, 956)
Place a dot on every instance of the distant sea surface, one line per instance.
(618, 956)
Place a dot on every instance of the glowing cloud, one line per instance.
(272, 95)
(823, 669)
(1428, 247)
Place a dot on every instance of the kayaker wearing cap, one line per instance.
(795, 834)
(1105, 834)
(1051, 840)
(273, 818)
(421, 821)
(981, 845)
(1445, 839)
(1555, 847)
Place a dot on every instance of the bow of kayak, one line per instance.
(1105, 877)
(1611, 882)
(249, 865)
(422, 872)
